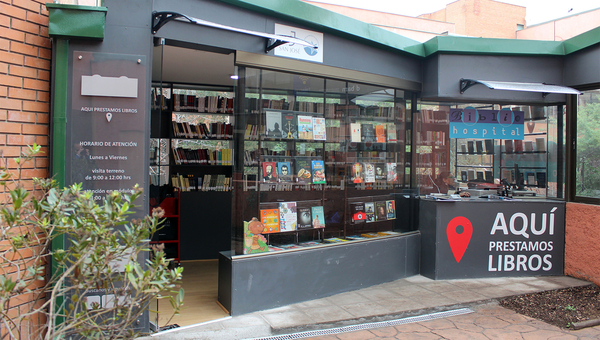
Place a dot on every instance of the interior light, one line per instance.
(234, 77)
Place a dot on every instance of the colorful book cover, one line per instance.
(318, 217)
(273, 119)
(380, 172)
(319, 128)
(367, 133)
(318, 172)
(269, 171)
(305, 127)
(288, 215)
(303, 171)
(380, 211)
(304, 218)
(390, 207)
(254, 241)
(370, 211)
(357, 213)
(270, 218)
(284, 172)
(289, 126)
(369, 169)
(380, 133)
(357, 173)
(355, 132)
(392, 174)
(391, 133)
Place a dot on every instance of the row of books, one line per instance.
(477, 147)
(437, 158)
(474, 175)
(364, 236)
(361, 212)
(342, 111)
(300, 245)
(212, 130)
(208, 182)
(306, 171)
(530, 178)
(431, 137)
(373, 133)
(433, 117)
(203, 156)
(289, 217)
(282, 104)
(292, 126)
(515, 146)
(372, 172)
(194, 103)
(253, 131)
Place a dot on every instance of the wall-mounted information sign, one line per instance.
(486, 124)
(107, 122)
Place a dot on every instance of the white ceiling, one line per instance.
(184, 65)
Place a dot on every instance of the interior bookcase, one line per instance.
(324, 154)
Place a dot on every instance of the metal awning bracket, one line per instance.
(159, 19)
(465, 84)
(274, 43)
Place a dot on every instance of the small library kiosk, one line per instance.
(308, 154)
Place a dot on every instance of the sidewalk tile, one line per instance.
(331, 313)
(546, 334)
(457, 334)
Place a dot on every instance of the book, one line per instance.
(270, 218)
(540, 144)
(471, 175)
(471, 147)
(367, 133)
(530, 178)
(390, 208)
(370, 211)
(269, 171)
(369, 173)
(541, 179)
(303, 171)
(463, 176)
(489, 146)
(463, 148)
(355, 132)
(304, 218)
(380, 172)
(284, 173)
(380, 133)
(319, 128)
(380, 211)
(288, 215)
(489, 176)
(480, 176)
(305, 127)
(392, 174)
(289, 126)
(508, 146)
(318, 172)
(273, 127)
(357, 173)
(528, 145)
(518, 145)
(357, 213)
(479, 146)
(391, 132)
(318, 217)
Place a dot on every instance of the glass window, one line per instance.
(322, 158)
(588, 145)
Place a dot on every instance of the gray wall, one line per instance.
(583, 68)
(442, 73)
(338, 52)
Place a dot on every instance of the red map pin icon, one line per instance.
(459, 242)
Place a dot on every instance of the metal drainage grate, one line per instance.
(372, 325)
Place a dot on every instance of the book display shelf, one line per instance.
(525, 163)
(191, 161)
(474, 159)
(317, 154)
(432, 156)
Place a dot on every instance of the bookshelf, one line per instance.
(530, 156)
(474, 160)
(432, 156)
(313, 155)
(191, 159)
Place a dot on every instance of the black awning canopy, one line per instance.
(544, 89)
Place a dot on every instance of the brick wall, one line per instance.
(582, 250)
(25, 52)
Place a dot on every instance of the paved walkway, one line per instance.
(408, 297)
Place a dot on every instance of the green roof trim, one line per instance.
(325, 20)
(492, 46)
(584, 40)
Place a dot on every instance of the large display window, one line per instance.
(324, 161)
(489, 149)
